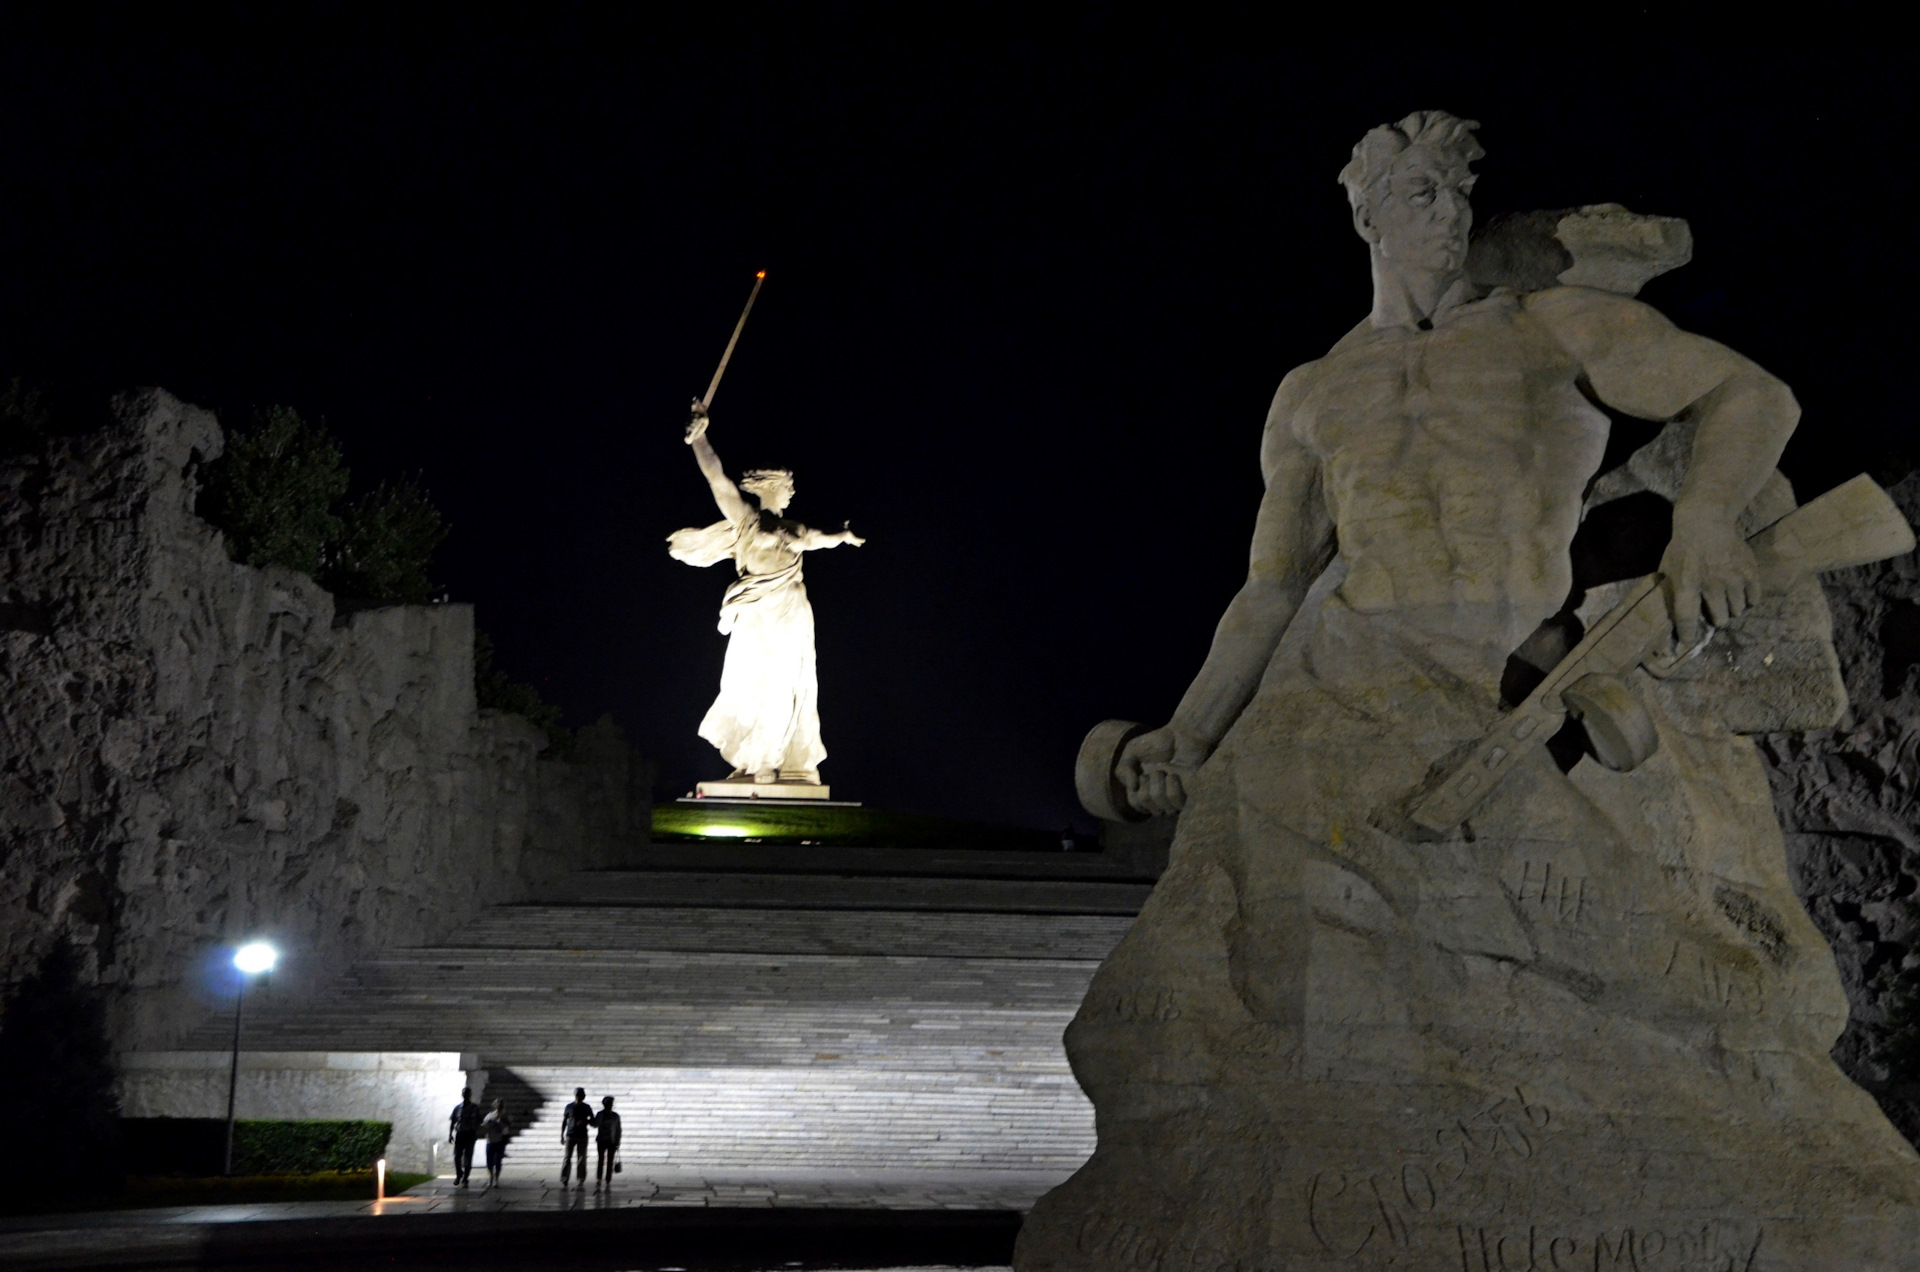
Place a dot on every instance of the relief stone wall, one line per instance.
(194, 750)
(1849, 801)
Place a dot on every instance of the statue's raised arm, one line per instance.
(725, 494)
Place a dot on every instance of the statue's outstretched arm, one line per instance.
(809, 540)
(1293, 540)
(1639, 363)
(732, 504)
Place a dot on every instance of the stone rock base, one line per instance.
(1587, 1029)
(1298, 1066)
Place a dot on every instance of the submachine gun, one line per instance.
(1852, 524)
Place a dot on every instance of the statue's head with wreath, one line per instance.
(773, 487)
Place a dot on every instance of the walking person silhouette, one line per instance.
(497, 1127)
(574, 1124)
(607, 1140)
(463, 1127)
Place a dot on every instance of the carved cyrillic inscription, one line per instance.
(1560, 894)
(1728, 984)
(1159, 1006)
(1507, 1126)
(1127, 1243)
(1122, 1243)
(1348, 1211)
(1718, 1246)
(1357, 1209)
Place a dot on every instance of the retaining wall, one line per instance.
(194, 751)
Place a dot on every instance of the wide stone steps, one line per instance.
(822, 931)
(720, 856)
(760, 1007)
(644, 1008)
(683, 1119)
(852, 892)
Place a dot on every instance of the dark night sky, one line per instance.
(1032, 282)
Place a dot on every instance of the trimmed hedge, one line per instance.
(198, 1146)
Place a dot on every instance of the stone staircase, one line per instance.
(757, 1007)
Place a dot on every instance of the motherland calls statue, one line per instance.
(1437, 978)
(766, 721)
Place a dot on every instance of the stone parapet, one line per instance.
(414, 1090)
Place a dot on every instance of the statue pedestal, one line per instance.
(782, 791)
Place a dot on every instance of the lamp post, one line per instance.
(256, 958)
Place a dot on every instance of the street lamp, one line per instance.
(256, 958)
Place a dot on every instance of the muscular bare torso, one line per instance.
(1447, 466)
(1452, 463)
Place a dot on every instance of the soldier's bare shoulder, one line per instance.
(1582, 317)
(1295, 387)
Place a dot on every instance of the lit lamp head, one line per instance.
(255, 958)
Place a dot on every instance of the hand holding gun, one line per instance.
(1852, 524)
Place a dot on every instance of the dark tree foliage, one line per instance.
(279, 493)
(275, 490)
(56, 1065)
(385, 547)
(496, 691)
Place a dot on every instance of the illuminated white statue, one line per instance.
(766, 721)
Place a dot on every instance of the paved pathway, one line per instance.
(826, 1189)
(180, 1234)
(834, 1189)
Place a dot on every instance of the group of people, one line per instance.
(468, 1124)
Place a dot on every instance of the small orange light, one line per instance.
(761, 274)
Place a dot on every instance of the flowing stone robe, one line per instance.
(768, 713)
(1589, 1031)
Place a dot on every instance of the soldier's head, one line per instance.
(606, 1101)
(773, 487)
(1408, 184)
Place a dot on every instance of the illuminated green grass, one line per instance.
(843, 827)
